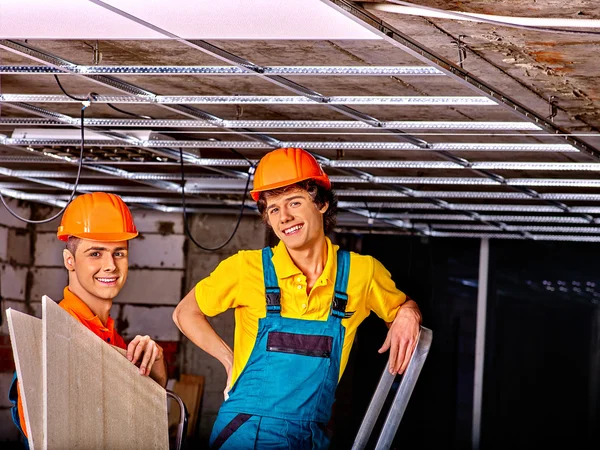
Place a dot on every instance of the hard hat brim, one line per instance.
(100, 237)
(322, 181)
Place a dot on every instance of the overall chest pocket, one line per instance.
(300, 344)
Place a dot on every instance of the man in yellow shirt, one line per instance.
(297, 308)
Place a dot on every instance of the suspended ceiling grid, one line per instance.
(410, 148)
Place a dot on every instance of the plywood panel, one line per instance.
(26, 341)
(191, 398)
(94, 397)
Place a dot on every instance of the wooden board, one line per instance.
(94, 397)
(190, 388)
(26, 341)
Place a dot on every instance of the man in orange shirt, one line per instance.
(96, 228)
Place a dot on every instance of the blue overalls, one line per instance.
(13, 397)
(284, 395)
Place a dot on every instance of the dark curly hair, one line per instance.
(320, 196)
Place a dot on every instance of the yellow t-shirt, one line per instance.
(238, 283)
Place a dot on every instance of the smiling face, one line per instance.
(98, 270)
(296, 219)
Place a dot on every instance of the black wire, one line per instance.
(50, 219)
(235, 152)
(185, 222)
(69, 95)
(90, 97)
(127, 112)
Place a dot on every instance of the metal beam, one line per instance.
(423, 54)
(38, 55)
(223, 55)
(228, 70)
(537, 237)
(374, 164)
(504, 218)
(282, 124)
(255, 100)
(482, 295)
(114, 141)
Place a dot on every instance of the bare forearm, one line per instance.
(411, 307)
(195, 326)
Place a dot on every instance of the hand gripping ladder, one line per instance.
(407, 384)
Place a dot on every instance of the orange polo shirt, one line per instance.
(78, 309)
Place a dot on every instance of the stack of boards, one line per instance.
(79, 392)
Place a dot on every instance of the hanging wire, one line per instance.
(50, 219)
(185, 221)
(91, 97)
(139, 116)
(87, 99)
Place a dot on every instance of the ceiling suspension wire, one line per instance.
(241, 213)
(50, 219)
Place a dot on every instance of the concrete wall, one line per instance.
(211, 231)
(31, 266)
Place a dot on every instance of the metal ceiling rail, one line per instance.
(43, 57)
(256, 100)
(113, 141)
(149, 179)
(124, 139)
(421, 229)
(415, 49)
(374, 164)
(469, 207)
(231, 182)
(48, 200)
(491, 165)
(226, 70)
(537, 237)
(69, 67)
(230, 186)
(85, 187)
(533, 228)
(286, 124)
(468, 194)
(230, 58)
(60, 203)
(259, 71)
(341, 193)
(504, 218)
(456, 181)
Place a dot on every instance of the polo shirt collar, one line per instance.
(84, 313)
(285, 267)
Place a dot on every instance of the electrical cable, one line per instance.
(69, 95)
(185, 221)
(477, 18)
(91, 97)
(50, 219)
(139, 116)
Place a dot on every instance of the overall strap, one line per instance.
(272, 291)
(340, 297)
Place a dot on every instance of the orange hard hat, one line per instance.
(286, 166)
(98, 216)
